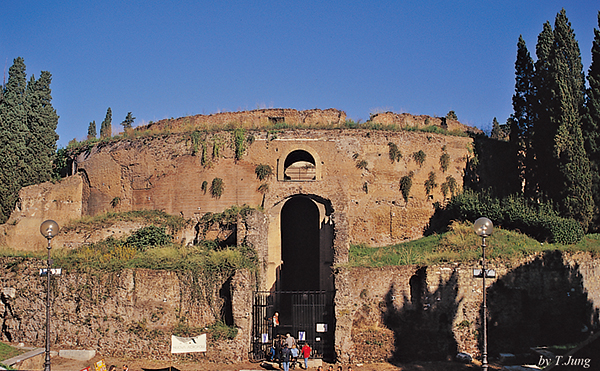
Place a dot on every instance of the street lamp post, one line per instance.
(483, 227)
(48, 229)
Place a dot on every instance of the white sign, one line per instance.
(53, 271)
(321, 327)
(188, 345)
(265, 338)
(301, 336)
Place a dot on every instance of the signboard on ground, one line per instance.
(188, 345)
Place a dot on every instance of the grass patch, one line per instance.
(7, 351)
(461, 244)
(153, 217)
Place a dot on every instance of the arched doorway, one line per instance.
(299, 166)
(300, 248)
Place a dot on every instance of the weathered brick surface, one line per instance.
(161, 173)
(129, 313)
(432, 312)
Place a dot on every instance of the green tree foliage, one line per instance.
(561, 170)
(148, 237)
(542, 139)
(451, 115)
(591, 120)
(128, 121)
(521, 121)
(574, 192)
(499, 131)
(27, 134)
(42, 121)
(92, 130)
(106, 126)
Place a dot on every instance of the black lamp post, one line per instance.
(48, 229)
(484, 228)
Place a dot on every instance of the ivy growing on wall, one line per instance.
(239, 142)
(405, 185)
(449, 185)
(430, 183)
(444, 159)
(217, 187)
(419, 157)
(362, 164)
(394, 152)
(263, 171)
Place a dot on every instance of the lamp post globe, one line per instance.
(483, 227)
(49, 229)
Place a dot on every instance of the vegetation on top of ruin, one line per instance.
(461, 244)
(153, 217)
(75, 147)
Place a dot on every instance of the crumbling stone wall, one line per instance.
(163, 173)
(129, 313)
(251, 120)
(433, 312)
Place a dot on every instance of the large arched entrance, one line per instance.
(299, 276)
(300, 245)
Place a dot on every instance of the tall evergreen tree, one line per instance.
(106, 126)
(573, 188)
(92, 130)
(591, 121)
(13, 137)
(42, 121)
(521, 121)
(128, 121)
(543, 128)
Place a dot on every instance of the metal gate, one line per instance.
(307, 315)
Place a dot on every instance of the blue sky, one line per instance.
(162, 59)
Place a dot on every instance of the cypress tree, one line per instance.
(128, 121)
(13, 137)
(572, 190)
(106, 127)
(591, 121)
(543, 128)
(521, 121)
(42, 121)
(92, 130)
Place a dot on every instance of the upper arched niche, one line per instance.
(299, 164)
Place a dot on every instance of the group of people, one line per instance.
(284, 350)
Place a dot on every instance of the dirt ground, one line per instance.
(62, 364)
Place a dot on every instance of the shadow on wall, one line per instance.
(422, 324)
(538, 304)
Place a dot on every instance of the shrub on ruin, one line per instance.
(539, 220)
(217, 187)
(430, 183)
(444, 161)
(263, 171)
(362, 164)
(405, 185)
(394, 152)
(148, 236)
(419, 157)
